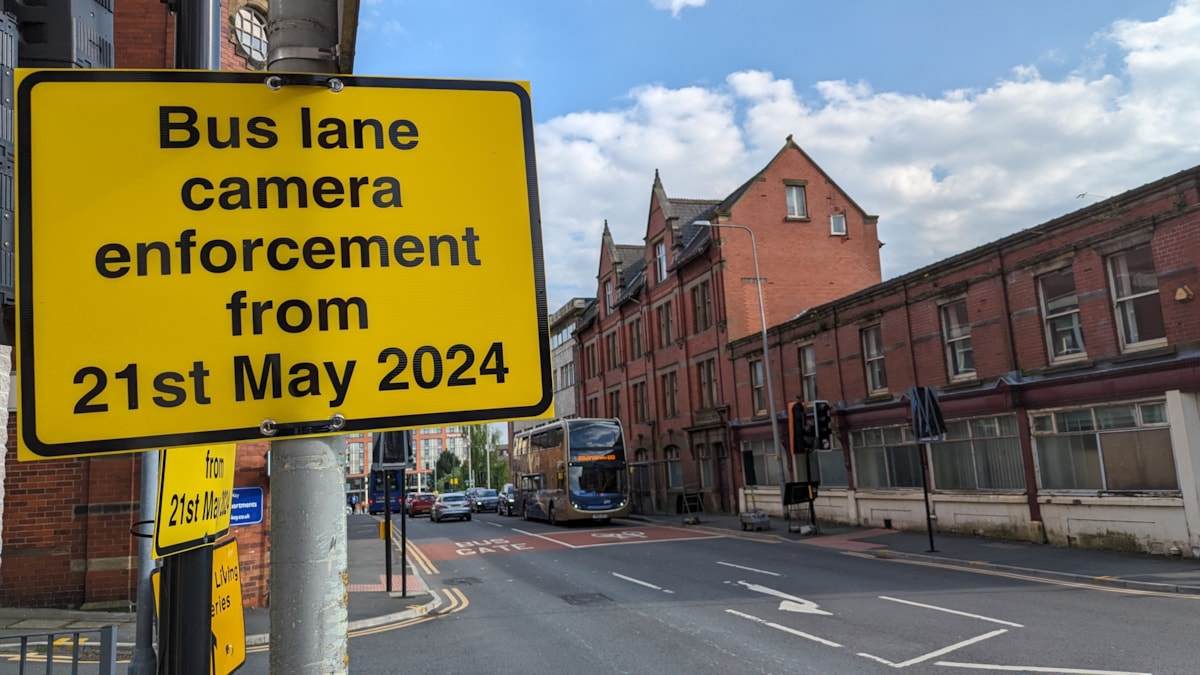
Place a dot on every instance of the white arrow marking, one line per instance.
(790, 602)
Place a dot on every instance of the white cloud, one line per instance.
(944, 174)
(676, 6)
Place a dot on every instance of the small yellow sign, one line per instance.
(195, 496)
(228, 625)
(293, 260)
(228, 619)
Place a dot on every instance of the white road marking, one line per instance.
(793, 631)
(748, 569)
(953, 647)
(790, 602)
(542, 536)
(876, 658)
(1035, 669)
(647, 584)
(953, 611)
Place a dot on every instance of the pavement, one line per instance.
(370, 605)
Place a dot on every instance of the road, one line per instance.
(637, 598)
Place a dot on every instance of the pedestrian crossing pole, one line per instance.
(928, 426)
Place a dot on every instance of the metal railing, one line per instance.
(64, 648)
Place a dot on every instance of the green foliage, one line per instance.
(447, 464)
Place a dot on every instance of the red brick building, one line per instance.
(653, 349)
(1067, 361)
(66, 523)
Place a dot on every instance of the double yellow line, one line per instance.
(422, 561)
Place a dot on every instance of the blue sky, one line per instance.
(955, 122)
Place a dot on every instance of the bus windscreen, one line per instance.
(596, 475)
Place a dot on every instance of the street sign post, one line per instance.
(195, 496)
(227, 622)
(206, 257)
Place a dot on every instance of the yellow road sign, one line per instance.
(228, 618)
(195, 493)
(228, 623)
(206, 257)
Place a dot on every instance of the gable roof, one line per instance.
(727, 204)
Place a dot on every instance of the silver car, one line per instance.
(450, 505)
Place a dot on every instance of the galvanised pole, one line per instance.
(308, 522)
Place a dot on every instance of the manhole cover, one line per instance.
(462, 581)
(586, 598)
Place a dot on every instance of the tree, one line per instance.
(447, 463)
(490, 470)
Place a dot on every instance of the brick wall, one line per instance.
(67, 522)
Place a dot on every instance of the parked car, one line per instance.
(419, 502)
(450, 505)
(506, 501)
(484, 499)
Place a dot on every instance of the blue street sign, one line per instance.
(247, 508)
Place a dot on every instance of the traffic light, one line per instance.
(823, 422)
(800, 425)
(393, 450)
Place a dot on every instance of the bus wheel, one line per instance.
(553, 520)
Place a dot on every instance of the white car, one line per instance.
(450, 505)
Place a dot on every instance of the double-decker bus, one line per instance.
(571, 469)
(375, 491)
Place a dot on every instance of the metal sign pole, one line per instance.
(387, 529)
(403, 536)
(924, 447)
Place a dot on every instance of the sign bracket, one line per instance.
(270, 428)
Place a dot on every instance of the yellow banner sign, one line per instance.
(195, 495)
(207, 257)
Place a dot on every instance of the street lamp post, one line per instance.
(762, 316)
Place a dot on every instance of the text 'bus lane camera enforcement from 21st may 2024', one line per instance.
(281, 255)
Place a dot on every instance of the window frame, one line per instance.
(953, 344)
(796, 195)
(1045, 423)
(758, 387)
(873, 358)
(666, 324)
(806, 357)
(248, 32)
(701, 307)
(1121, 302)
(670, 392)
(660, 260)
(641, 410)
(635, 337)
(834, 230)
(707, 378)
(1050, 317)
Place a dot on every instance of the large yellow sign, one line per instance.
(206, 257)
(195, 495)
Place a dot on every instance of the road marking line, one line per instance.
(749, 569)
(953, 611)
(643, 583)
(422, 560)
(1026, 577)
(1035, 669)
(790, 603)
(953, 647)
(793, 631)
(876, 658)
(552, 540)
